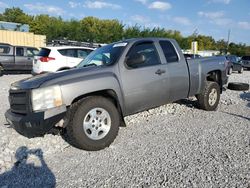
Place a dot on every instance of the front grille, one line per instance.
(19, 101)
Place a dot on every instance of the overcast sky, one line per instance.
(208, 17)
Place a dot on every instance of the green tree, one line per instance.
(221, 45)
(15, 15)
(52, 27)
(106, 31)
(132, 32)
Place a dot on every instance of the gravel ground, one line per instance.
(175, 145)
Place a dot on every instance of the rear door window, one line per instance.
(68, 52)
(4, 49)
(169, 51)
(77, 53)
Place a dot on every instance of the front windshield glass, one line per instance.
(105, 55)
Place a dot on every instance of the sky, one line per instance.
(207, 17)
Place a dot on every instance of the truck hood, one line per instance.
(37, 81)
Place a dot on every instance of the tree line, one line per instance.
(93, 29)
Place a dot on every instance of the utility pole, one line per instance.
(194, 44)
(228, 39)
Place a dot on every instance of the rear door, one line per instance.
(74, 55)
(177, 71)
(20, 59)
(144, 85)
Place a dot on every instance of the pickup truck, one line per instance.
(119, 79)
(16, 58)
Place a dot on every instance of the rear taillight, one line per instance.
(46, 59)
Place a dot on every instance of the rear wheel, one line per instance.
(241, 70)
(94, 124)
(210, 96)
(230, 71)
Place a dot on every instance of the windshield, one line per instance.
(245, 58)
(105, 55)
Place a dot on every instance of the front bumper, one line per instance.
(246, 65)
(35, 124)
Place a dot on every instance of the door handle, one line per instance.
(160, 72)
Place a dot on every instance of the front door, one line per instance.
(30, 53)
(145, 84)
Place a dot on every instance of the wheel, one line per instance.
(94, 124)
(237, 86)
(1, 71)
(230, 71)
(210, 96)
(241, 70)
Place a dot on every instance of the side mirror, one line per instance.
(135, 59)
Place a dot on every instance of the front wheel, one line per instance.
(230, 71)
(241, 70)
(1, 71)
(209, 97)
(94, 124)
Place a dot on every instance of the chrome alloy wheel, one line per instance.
(97, 123)
(212, 98)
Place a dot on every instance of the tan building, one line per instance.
(22, 38)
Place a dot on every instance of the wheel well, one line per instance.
(215, 76)
(110, 94)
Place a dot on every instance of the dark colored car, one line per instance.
(192, 56)
(246, 62)
(16, 58)
(234, 64)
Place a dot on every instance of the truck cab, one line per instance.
(16, 58)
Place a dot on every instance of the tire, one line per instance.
(237, 86)
(209, 98)
(230, 71)
(1, 71)
(89, 130)
(241, 70)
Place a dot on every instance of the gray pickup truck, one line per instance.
(119, 79)
(16, 58)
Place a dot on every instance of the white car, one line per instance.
(53, 59)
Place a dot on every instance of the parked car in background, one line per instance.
(192, 56)
(57, 58)
(16, 58)
(246, 62)
(234, 64)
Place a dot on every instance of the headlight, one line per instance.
(46, 98)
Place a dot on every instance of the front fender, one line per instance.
(89, 84)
